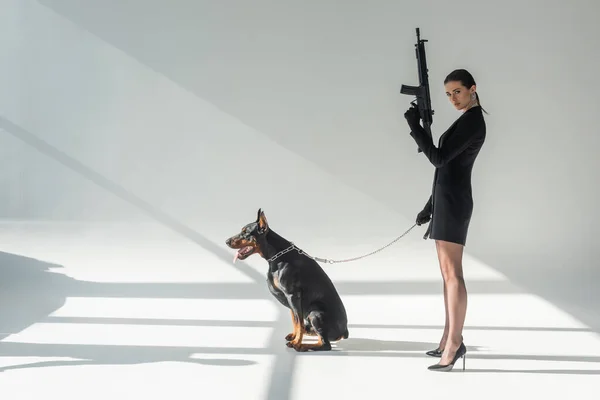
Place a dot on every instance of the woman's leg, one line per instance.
(450, 257)
(447, 320)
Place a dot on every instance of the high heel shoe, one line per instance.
(461, 352)
(435, 353)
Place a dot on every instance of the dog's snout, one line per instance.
(228, 242)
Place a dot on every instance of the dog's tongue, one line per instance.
(235, 257)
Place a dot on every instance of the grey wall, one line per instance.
(150, 100)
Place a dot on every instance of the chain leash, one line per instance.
(328, 261)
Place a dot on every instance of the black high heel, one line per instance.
(460, 353)
(435, 353)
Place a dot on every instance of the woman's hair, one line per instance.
(463, 76)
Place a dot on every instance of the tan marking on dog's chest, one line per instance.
(276, 281)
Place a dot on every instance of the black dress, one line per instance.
(451, 200)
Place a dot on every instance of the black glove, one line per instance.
(423, 217)
(412, 115)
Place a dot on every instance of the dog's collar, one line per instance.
(291, 247)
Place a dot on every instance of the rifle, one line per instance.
(423, 100)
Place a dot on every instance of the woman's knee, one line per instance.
(450, 257)
(452, 272)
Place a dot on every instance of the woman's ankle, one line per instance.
(454, 343)
(443, 342)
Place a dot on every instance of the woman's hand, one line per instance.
(423, 217)
(412, 115)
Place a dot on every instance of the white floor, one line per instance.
(92, 311)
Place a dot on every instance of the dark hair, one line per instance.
(463, 76)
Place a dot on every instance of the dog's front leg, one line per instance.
(295, 302)
(294, 333)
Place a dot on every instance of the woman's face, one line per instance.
(459, 95)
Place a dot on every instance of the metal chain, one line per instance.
(328, 261)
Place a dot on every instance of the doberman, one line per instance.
(298, 282)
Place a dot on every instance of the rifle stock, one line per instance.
(421, 92)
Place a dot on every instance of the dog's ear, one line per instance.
(263, 225)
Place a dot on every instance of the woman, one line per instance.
(451, 203)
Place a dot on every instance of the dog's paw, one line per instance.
(290, 337)
(299, 347)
